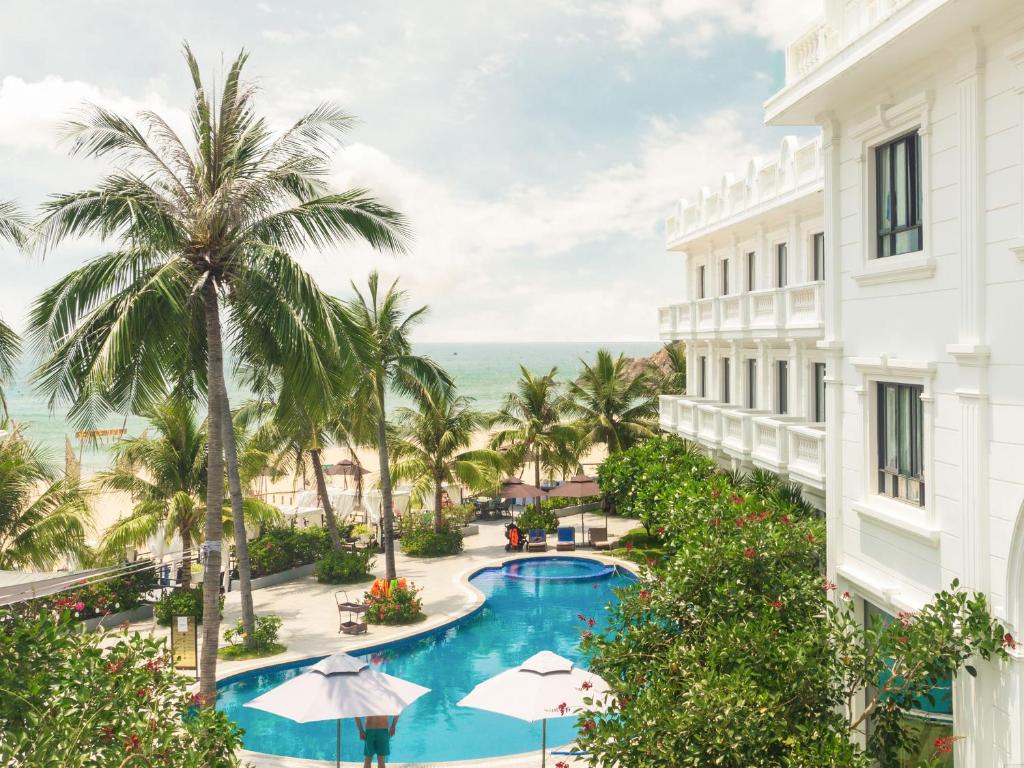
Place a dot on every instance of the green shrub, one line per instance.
(85, 601)
(87, 699)
(264, 641)
(181, 602)
(280, 549)
(394, 602)
(561, 502)
(419, 538)
(344, 567)
(460, 515)
(531, 518)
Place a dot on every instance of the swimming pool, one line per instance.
(527, 611)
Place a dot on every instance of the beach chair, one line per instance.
(566, 539)
(599, 538)
(537, 541)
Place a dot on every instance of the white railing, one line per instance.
(764, 310)
(737, 430)
(768, 444)
(796, 307)
(666, 321)
(854, 19)
(731, 311)
(706, 315)
(804, 308)
(667, 412)
(686, 417)
(709, 424)
(798, 165)
(807, 454)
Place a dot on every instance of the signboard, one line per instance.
(185, 642)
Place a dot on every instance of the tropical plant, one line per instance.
(378, 334)
(165, 474)
(279, 549)
(84, 699)
(201, 227)
(394, 601)
(182, 601)
(669, 379)
(529, 426)
(12, 229)
(263, 643)
(613, 407)
(533, 518)
(43, 516)
(571, 446)
(733, 650)
(430, 447)
(421, 537)
(344, 567)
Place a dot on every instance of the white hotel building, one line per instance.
(881, 365)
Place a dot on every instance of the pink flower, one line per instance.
(777, 605)
(629, 546)
(588, 726)
(784, 520)
(736, 498)
(846, 596)
(563, 708)
(905, 617)
(828, 585)
(581, 617)
(716, 493)
(740, 522)
(591, 623)
(716, 522)
(645, 595)
(586, 685)
(749, 552)
(79, 606)
(1009, 642)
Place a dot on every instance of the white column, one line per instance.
(794, 252)
(734, 374)
(833, 253)
(972, 199)
(692, 369)
(763, 403)
(794, 397)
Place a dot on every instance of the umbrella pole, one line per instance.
(337, 761)
(543, 742)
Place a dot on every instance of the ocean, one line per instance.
(482, 371)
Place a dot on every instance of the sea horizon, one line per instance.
(482, 371)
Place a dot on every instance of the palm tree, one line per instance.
(530, 421)
(166, 476)
(12, 229)
(430, 448)
(42, 518)
(615, 409)
(571, 446)
(201, 228)
(378, 335)
(669, 379)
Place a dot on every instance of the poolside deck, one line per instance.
(310, 620)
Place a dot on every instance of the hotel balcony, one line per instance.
(790, 446)
(793, 311)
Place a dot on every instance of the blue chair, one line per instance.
(537, 541)
(566, 539)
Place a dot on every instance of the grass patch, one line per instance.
(240, 652)
(640, 547)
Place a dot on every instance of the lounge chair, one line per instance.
(537, 541)
(566, 539)
(599, 538)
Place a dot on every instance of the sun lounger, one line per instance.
(599, 538)
(566, 539)
(538, 540)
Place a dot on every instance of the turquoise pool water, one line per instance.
(524, 613)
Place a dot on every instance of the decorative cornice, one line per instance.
(976, 355)
(894, 269)
(898, 522)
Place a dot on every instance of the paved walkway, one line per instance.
(310, 619)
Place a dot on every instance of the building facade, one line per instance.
(753, 316)
(921, 109)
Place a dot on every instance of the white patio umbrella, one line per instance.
(544, 686)
(339, 687)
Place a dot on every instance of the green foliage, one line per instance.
(419, 538)
(733, 652)
(459, 515)
(279, 549)
(89, 600)
(264, 639)
(531, 518)
(561, 502)
(394, 602)
(80, 700)
(181, 602)
(344, 567)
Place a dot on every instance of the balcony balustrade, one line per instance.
(807, 455)
(709, 423)
(737, 432)
(667, 413)
(773, 311)
(770, 448)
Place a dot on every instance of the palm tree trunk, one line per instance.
(186, 557)
(214, 497)
(321, 489)
(438, 517)
(238, 519)
(390, 572)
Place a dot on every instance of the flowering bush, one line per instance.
(181, 602)
(344, 567)
(100, 699)
(279, 549)
(394, 602)
(735, 652)
(88, 600)
(264, 638)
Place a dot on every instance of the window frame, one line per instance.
(725, 277)
(751, 374)
(782, 387)
(819, 394)
(702, 364)
(701, 281)
(885, 154)
(818, 256)
(751, 270)
(781, 264)
(726, 383)
(905, 484)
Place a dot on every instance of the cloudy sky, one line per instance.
(535, 146)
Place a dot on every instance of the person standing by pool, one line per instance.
(376, 738)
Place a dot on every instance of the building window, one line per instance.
(781, 265)
(818, 248)
(819, 392)
(898, 196)
(751, 383)
(782, 386)
(726, 394)
(725, 277)
(901, 442)
(701, 286)
(703, 380)
(751, 270)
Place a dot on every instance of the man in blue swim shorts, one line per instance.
(376, 738)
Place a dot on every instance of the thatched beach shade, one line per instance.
(346, 467)
(579, 487)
